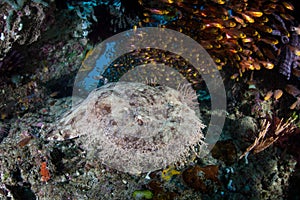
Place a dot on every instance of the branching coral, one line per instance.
(264, 140)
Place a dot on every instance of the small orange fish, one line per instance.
(206, 44)
(270, 41)
(158, 12)
(295, 104)
(267, 65)
(219, 1)
(277, 94)
(254, 13)
(272, 6)
(234, 76)
(246, 64)
(247, 52)
(268, 95)
(214, 24)
(256, 66)
(239, 20)
(292, 90)
(247, 40)
(234, 33)
(288, 5)
(262, 19)
(236, 57)
(264, 28)
(287, 16)
(247, 18)
(229, 24)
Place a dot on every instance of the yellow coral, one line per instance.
(168, 173)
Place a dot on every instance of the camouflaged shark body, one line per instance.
(134, 127)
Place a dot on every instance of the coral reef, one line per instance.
(4, 129)
(200, 178)
(44, 42)
(94, 15)
(22, 22)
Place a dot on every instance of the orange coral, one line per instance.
(44, 172)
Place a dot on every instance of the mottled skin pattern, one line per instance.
(134, 127)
